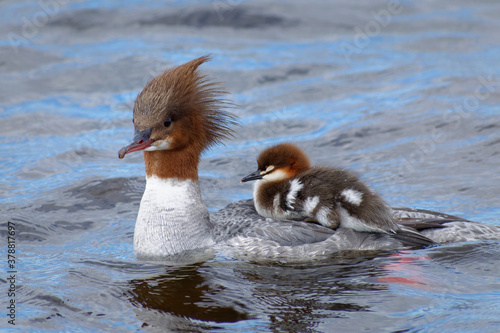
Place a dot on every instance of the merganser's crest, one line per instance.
(182, 112)
(181, 94)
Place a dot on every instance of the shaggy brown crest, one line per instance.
(178, 115)
(183, 95)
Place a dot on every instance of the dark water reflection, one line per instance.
(293, 299)
(187, 294)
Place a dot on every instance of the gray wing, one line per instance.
(445, 228)
(249, 234)
(241, 219)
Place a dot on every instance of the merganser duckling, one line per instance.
(177, 116)
(287, 187)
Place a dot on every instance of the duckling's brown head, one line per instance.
(279, 162)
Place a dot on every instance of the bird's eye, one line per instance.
(167, 122)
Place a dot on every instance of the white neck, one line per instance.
(261, 209)
(172, 218)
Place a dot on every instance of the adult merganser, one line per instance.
(177, 116)
(287, 187)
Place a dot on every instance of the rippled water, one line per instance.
(404, 93)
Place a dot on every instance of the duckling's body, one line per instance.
(288, 188)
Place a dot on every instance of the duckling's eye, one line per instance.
(167, 122)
